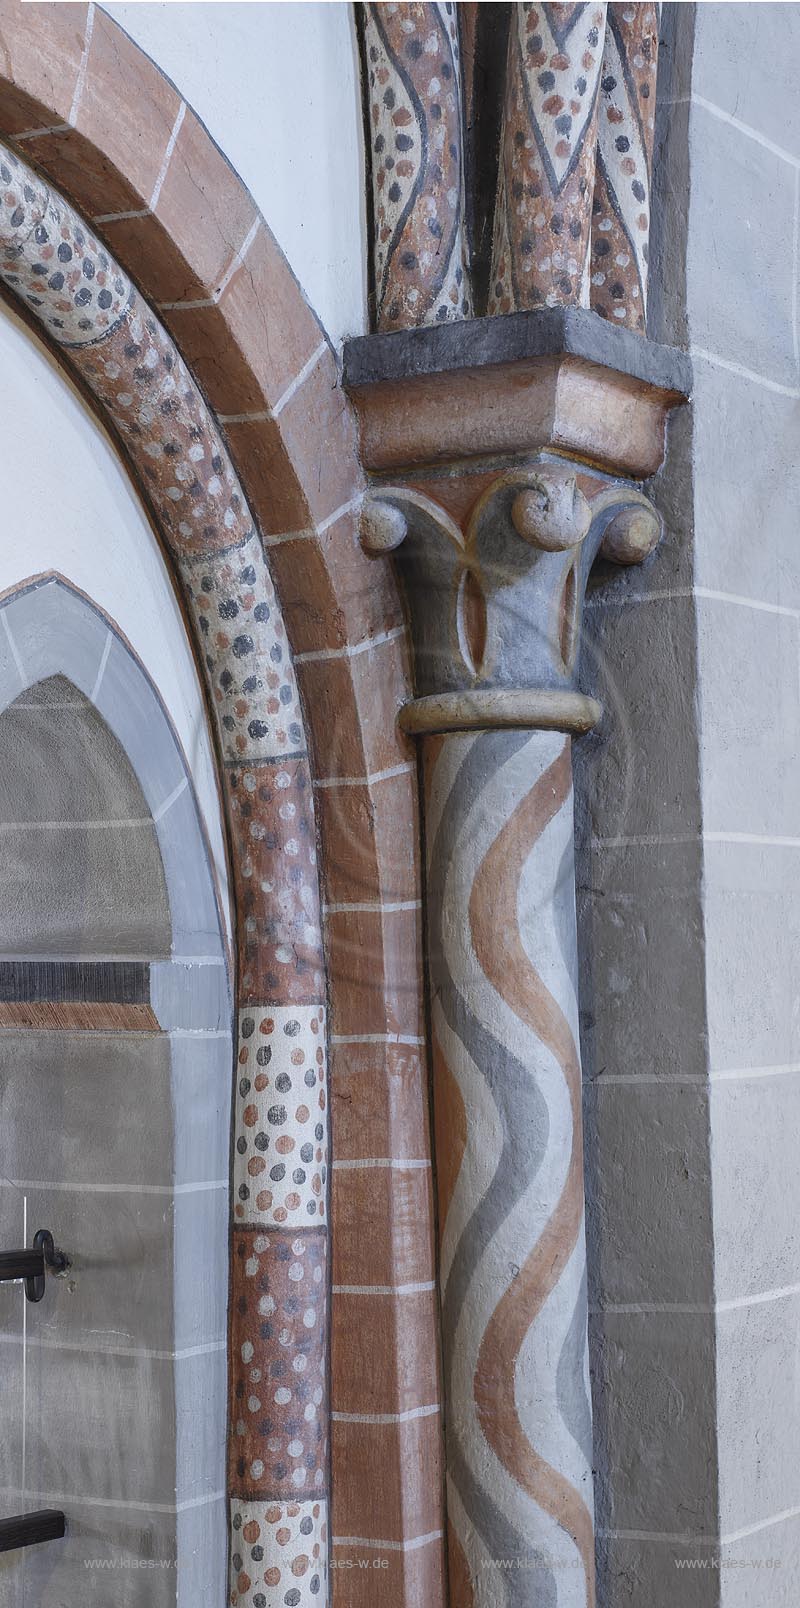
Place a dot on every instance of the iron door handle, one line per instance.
(28, 1529)
(30, 1265)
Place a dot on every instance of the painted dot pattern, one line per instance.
(625, 134)
(279, 1554)
(248, 659)
(543, 213)
(275, 873)
(278, 1408)
(413, 75)
(280, 1168)
(54, 263)
(82, 299)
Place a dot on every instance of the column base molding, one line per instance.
(495, 708)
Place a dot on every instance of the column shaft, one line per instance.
(543, 211)
(412, 85)
(507, 1099)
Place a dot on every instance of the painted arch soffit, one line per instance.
(88, 308)
(108, 334)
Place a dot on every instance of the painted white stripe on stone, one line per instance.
(413, 1545)
(743, 1073)
(58, 1498)
(667, 1536)
(210, 1348)
(36, 133)
(351, 650)
(392, 1162)
(384, 1289)
(372, 907)
(339, 513)
(76, 826)
(376, 1038)
(162, 172)
(166, 1190)
(81, 78)
(367, 780)
(13, 646)
(122, 217)
(101, 670)
(236, 261)
(742, 373)
(746, 129)
(200, 1033)
(708, 593)
(171, 799)
(736, 1303)
(407, 1417)
(300, 378)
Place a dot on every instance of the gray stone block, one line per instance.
(91, 1108)
(201, 1403)
(202, 1534)
(191, 996)
(762, 1570)
(202, 1089)
(642, 985)
(745, 61)
(84, 891)
(637, 772)
(126, 1429)
(749, 719)
(759, 1412)
(146, 1271)
(651, 1573)
(60, 762)
(739, 269)
(476, 342)
(752, 925)
(653, 1389)
(56, 632)
(12, 1405)
(101, 1426)
(755, 1123)
(124, 1556)
(130, 706)
(196, 921)
(747, 488)
(648, 1188)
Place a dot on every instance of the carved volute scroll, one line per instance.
(496, 608)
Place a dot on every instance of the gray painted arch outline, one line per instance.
(51, 628)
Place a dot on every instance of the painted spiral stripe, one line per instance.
(625, 136)
(507, 1098)
(412, 76)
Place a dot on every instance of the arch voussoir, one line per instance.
(193, 242)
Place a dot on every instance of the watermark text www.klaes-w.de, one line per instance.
(130, 1563)
(728, 1563)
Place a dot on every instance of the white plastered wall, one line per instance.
(277, 86)
(68, 505)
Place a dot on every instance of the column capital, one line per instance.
(496, 481)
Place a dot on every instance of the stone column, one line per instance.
(412, 92)
(496, 618)
(543, 211)
(495, 562)
(625, 135)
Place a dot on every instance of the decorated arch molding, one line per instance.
(217, 381)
